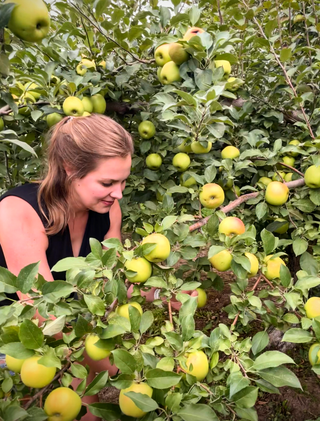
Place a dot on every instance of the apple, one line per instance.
(254, 262)
(177, 53)
(143, 268)
(14, 364)
(93, 351)
(99, 104)
(288, 160)
(127, 406)
(85, 114)
(183, 147)
(273, 267)
(87, 104)
(187, 182)
(170, 73)
(30, 22)
(312, 177)
(146, 129)
(103, 64)
(162, 55)
(264, 180)
(225, 64)
(124, 309)
(161, 251)
(181, 161)
(36, 375)
(154, 161)
(197, 364)
(298, 18)
(89, 64)
(314, 354)
(284, 228)
(159, 74)
(235, 84)
(28, 88)
(277, 193)
(1, 124)
(53, 119)
(192, 32)
(81, 69)
(312, 307)
(202, 297)
(278, 176)
(231, 226)
(211, 196)
(230, 152)
(73, 106)
(197, 148)
(62, 404)
(221, 261)
(294, 142)
(237, 191)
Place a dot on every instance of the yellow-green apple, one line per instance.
(312, 307)
(298, 18)
(225, 64)
(99, 104)
(202, 297)
(183, 147)
(143, 268)
(53, 119)
(170, 73)
(1, 124)
(87, 64)
(62, 404)
(29, 21)
(87, 104)
(294, 142)
(278, 176)
(314, 354)
(154, 161)
(211, 195)
(81, 69)
(230, 152)
(177, 53)
(124, 309)
(264, 180)
(127, 406)
(161, 251)
(14, 364)
(231, 226)
(162, 55)
(277, 193)
(221, 261)
(288, 160)
(273, 267)
(187, 182)
(85, 114)
(93, 351)
(159, 73)
(312, 177)
(254, 264)
(29, 88)
(73, 106)
(36, 375)
(237, 191)
(284, 228)
(181, 161)
(197, 364)
(146, 129)
(103, 64)
(197, 148)
(192, 32)
(288, 177)
(235, 84)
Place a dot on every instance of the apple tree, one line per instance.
(221, 100)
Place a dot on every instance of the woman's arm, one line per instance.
(115, 216)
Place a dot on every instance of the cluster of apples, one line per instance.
(87, 64)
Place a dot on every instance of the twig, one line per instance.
(291, 168)
(111, 308)
(307, 34)
(7, 166)
(235, 319)
(257, 283)
(205, 388)
(170, 311)
(267, 281)
(219, 11)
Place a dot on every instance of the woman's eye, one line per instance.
(107, 184)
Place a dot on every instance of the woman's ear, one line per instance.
(69, 171)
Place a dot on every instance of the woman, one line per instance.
(89, 160)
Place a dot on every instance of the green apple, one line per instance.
(127, 406)
(187, 181)
(273, 266)
(14, 364)
(62, 404)
(230, 152)
(312, 177)
(237, 191)
(233, 84)
(264, 180)
(294, 142)
(254, 264)
(124, 309)
(221, 261)
(282, 229)
(298, 18)
(143, 268)
(288, 160)
(231, 226)
(162, 55)
(146, 129)
(29, 88)
(154, 161)
(181, 161)
(99, 104)
(29, 21)
(73, 106)
(36, 375)
(197, 148)
(1, 124)
(277, 193)
(87, 104)
(81, 69)
(202, 297)
(93, 351)
(314, 353)
(53, 119)
(159, 73)
(192, 32)
(90, 64)
(177, 53)
(170, 73)
(225, 64)
(86, 114)
(211, 196)
(183, 147)
(161, 251)
(198, 364)
(278, 176)
(288, 177)
(103, 64)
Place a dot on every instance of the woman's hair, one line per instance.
(77, 143)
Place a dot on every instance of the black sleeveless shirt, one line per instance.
(59, 244)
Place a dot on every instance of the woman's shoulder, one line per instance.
(26, 191)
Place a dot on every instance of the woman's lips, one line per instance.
(107, 203)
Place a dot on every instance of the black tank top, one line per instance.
(59, 244)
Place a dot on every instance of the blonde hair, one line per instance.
(77, 143)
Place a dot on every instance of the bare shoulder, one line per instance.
(14, 210)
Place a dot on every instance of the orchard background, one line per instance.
(274, 52)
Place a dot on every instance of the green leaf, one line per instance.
(7, 384)
(78, 371)
(269, 241)
(124, 361)
(285, 54)
(105, 411)
(96, 248)
(5, 13)
(280, 376)
(210, 173)
(97, 384)
(247, 397)
(189, 99)
(309, 264)
(54, 326)
(112, 331)
(194, 15)
(95, 304)
(82, 326)
(14, 413)
(249, 414)
(261, 210)
(109, 257)
(285, 276)
(307, 283)
(57, 289)
(70, 263)
(30, 335)
(142, 401)
(299, 246)
(213, 250)
(135, 318)
(161, 379)
(297, 336)
(236, 382)
(16, 350)
(197, 412)
(49, 359)
(146, 322)
(271, 359)
(27, 277)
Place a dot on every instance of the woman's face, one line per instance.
(101, 187)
